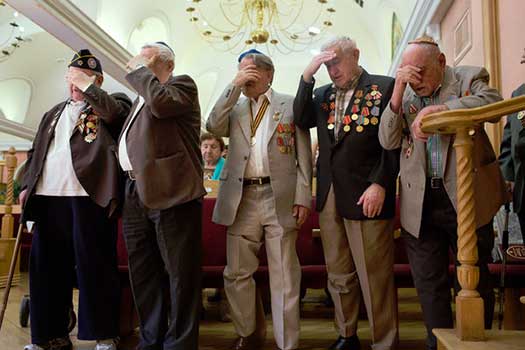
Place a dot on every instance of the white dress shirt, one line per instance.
(258, 165)
(123, 156)
(58, 176)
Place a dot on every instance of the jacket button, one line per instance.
(245, 158)
(408, 185)
(240, 179)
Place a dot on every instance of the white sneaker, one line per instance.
(105, 344)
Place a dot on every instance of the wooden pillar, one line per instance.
(8, 219)
(492, 53)
(469, 305)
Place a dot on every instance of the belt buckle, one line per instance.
(259, 181)
(435, 182)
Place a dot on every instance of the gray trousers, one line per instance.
(164, 254)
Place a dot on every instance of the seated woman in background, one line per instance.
(211, 148)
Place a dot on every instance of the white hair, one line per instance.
(346, 44)
(165, 53)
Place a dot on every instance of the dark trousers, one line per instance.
(73, 237)
(429, 260)
(164, 250)
(521, 217)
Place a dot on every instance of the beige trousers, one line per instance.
(359, 258)
(255, 223)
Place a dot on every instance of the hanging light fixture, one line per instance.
(284, 25)
(11, 42)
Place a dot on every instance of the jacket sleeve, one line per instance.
(303, 106)
(113, 109)
(173, 100)
(387, 167)
(391, 129)
(480, 93)
(218, 122)
(303, 186)
(506, 162)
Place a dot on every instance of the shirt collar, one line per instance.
(268, 94)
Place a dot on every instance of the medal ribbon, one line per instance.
(255, 122)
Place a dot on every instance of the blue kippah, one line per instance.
(254, 51)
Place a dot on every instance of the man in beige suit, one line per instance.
(264, 196)
(424, 85)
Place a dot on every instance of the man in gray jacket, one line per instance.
(427, 184)
(264, 197)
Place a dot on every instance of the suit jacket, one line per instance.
(95, 163)
(513, 154)
(356, 160)
(163, 140)
(462, 87)
(290, 171)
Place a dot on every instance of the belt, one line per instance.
(130, 175)
(256, 181)
(435, 182)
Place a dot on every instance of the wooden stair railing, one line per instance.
(463, 123)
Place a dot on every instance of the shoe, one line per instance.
(107, 344)
(350, 343)
(53, 344)
(251, 342)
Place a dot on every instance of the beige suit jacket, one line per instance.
(462, 87)
(290, 172)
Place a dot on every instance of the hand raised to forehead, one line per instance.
(246, 74)
(139, 60)
(80, 79)
(408, 74)
(316, 63)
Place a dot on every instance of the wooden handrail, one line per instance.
(448, 122)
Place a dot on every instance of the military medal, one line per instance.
(359, 94)
(412, 109)
(359, 128)
(355, 117)
(356, 101)
(374, 120)
(369, 103)
(276, 116)
(520, 115)
(346, 121)
(366, 121)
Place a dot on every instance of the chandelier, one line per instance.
(282, 25)
(12, 39)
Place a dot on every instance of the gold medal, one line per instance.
(373, 93)
(377, 102)
(359, 128)
(253, 141)
(374, 120)
(355, 117)
(331, 126)
(366, 121)
(346, 128)
(369, 103)
(356, 101)
(276, 116)
(521, 115)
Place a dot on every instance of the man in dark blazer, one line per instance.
(511, 157)
(355, 190)
(159, 150)
(71, 191)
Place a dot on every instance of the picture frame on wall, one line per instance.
(462, 37)
(397, 34)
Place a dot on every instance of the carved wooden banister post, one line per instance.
(463, 123)
(8, 219)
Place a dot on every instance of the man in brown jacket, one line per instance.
(71, 190)
(159, 150)
(427, 183)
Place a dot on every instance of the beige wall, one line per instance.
(474, 56)
(512, 37)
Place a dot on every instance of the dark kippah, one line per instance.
(251, 51)
(85, 59)
(164, 44)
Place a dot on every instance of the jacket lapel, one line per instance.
(244, 118)
(275, 115)
(135, 109)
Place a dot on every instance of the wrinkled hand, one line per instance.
(300, 213)
(22, 197)
(248, 74)
(316, 63)
(80, 79)
(140, 60)
(408, 75)
(510, 186)
(416, 124)
(372, 200)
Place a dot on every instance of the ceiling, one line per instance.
(42, 62)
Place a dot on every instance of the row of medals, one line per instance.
(374, 96)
